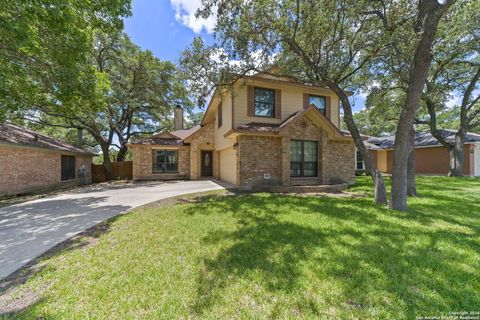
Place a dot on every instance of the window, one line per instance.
(318, 101)
(304, 158)
(219, 115)
(359, 165)
(264, 102)
(68, 168)
(165, 161)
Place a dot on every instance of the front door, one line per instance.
(207, 164)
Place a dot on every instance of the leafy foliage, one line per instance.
(140, 94)
(44, 49)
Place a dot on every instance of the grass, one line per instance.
(273, 256)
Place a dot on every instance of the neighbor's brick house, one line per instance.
(30, 161)
(431, 157)
(264, 130)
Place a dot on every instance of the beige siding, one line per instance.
(292, 101)
(220, 141)
(228, 165)
(382, 161)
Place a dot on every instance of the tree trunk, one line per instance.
(379, 189)
(430, 13)
(122, 153)
(411, 181)
(457, 158)
(107, 163)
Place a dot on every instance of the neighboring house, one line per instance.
(265, 130)
(431, 157)
(30, 161)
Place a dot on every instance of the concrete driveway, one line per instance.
(28, 229)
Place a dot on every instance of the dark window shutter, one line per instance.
(328, 107)
(305, 100)
(278, 104)
(220, 116)
(250, 104)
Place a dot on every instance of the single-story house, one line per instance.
(265, 130)
(431, 157)
(31, 161)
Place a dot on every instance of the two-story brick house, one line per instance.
(264, 130)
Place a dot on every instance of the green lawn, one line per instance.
(275, 256)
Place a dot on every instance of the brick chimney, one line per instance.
(178, 118)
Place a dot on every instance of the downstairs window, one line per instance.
(304, 158)
(165, 161)
(68, 168)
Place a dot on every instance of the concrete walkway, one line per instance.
(28, 229)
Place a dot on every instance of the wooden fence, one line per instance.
(120, 170)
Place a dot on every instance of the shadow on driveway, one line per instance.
(36, 227)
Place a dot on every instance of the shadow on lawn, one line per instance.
(370, 253)
(29, 298)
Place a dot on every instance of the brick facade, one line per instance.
(304, 129)
(203, 139)
(263, 154)
(188, 157)
(339, 162)
(259, 155)
(24, 169)
(143, 163)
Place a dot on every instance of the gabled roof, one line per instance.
(183, 134)
(260, 127)
(19, 136)
(278, 128)
(313, 110)
(422, 139)
(168, 138)
(159, 141)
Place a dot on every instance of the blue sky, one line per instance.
(167, 27)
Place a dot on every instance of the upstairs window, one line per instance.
(318, 101)
(264, 102)
(219, 116)
(165, 161)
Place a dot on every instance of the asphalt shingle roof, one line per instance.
(12, 134)
(422, 139)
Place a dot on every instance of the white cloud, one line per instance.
(185, 13)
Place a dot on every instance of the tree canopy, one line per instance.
(44, 50)
(141, 92)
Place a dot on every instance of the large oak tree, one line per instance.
(44, 48)
(140, 94)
